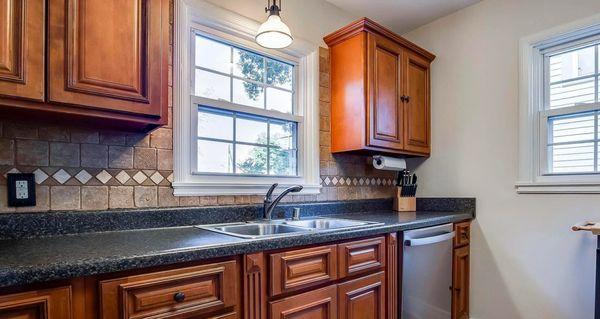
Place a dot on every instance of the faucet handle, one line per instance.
(270, 192)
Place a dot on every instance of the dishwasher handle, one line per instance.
(429, 240)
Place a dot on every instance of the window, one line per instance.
(244, 117)
(560, 111)
(248, 142)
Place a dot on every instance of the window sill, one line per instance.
(217, 189)
(557, 188)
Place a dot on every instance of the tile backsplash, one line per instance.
(88, 169)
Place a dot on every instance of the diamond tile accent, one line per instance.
(157, 178)
(103, 177)
(61, 176)
(83, 176)
(123, 177)
(327, 180)
(355, 181)
(348, 180)
(170, 178)
(342, 181)
(334, 181)
(40, 176)
(367, 181)
(378, 181)
(140, 177)
(361, 181)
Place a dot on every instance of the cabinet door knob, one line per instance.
(407, 99)
(179, 297)
(402, 98)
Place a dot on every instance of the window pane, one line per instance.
(572, 93)
(215, 124)
(279, 100)
(248, 93)
(572, 158)
(215, 157)
(251, 131)
(282, 162)
(279, 74)
(213, 55)
(573, 128)
(251, 159)
(212, 85)
(572, 64)
(282, 134)
(248, 65)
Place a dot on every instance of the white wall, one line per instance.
(308, 19)
(526, 263)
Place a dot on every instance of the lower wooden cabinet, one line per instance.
(461, 272)
(206, 291)
(37, 304)
(316, 304)
(363, 298)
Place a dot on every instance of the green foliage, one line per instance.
(252, 67)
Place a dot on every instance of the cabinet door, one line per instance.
(22, 49)
(385, 113)
(117, 64)
(363, 298)
(38, 304)
(316, 304)
(460, 283)
(416, 109)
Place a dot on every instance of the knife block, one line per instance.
(404, 204)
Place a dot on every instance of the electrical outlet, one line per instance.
(21, 189)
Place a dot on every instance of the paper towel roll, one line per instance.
(389, 163)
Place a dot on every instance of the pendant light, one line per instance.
(273, 33)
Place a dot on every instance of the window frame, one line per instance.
(214, 22)
(534, 176)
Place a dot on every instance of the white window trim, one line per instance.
(194, 14)
(531, 179)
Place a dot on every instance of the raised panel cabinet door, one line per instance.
(417, 104)
(38, 304)
(109, 55)
(22, 37)
(362, 298)
(385, 109)
(316, 304)
(460, 283)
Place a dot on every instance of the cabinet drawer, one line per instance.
(361, 256)
(317, 304)
(463, 234)
(180, 292)
(296, 269)
(52, 303)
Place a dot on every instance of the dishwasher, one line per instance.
(427, 273)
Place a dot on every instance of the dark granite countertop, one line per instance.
(29, 260)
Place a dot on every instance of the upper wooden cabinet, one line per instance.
(22, 49)
(107, 61)
(380, 92)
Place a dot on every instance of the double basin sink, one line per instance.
(283, 227)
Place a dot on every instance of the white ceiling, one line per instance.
(402, 15)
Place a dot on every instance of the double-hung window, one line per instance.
(245, 117)
(562, 150)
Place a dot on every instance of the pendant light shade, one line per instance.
(273, 33)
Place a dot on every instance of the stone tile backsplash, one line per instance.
(89, 169)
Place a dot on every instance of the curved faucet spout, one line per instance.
(269, 205)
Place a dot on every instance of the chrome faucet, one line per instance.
(269, 204)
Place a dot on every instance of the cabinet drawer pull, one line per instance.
(179, 297)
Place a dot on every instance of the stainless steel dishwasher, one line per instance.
(427, 273)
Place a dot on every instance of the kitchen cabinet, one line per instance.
(54, 303)
(461, 272)
(363, 298)
(107, 72)
(380, 92)
(22, 41)
(316, 304)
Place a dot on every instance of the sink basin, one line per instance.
(255, 230)
(326, 223)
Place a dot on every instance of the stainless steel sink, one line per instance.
(281, 227)
(252, 230)
(326, 223)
